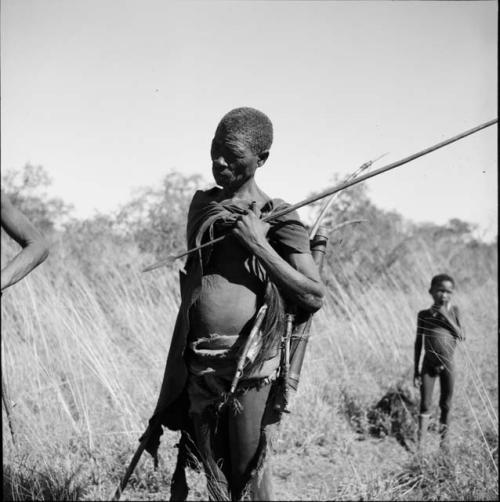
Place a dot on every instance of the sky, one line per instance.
(110, 95)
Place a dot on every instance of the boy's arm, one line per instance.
(35, 249)
(417, 352)
(461, 330)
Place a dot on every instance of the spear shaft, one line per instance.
(328, 202)
(376, 172)
(338, 188)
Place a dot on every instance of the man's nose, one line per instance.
(220, 161)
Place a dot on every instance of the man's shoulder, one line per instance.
(210, 193)
(424, 313)
(277, 201)
(277, 204)
(203, 197)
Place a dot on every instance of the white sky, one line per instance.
(109, 95)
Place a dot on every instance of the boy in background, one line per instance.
(438, 329)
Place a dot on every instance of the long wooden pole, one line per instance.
(376, 172)
(335, 189)
(130, 470)
(135, 459)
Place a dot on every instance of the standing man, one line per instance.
(222, 289)
(34, 247)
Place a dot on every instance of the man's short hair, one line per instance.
(253, 126)
(438, 279)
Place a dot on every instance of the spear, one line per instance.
(335, 189)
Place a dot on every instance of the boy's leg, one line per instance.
(426, 391)
(447, 381)
(245, 436)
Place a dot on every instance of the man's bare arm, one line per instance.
(298, 278)
(417, 353)
(35, 248)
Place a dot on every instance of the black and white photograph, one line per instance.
(249, 250)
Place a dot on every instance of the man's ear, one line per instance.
(262, 158)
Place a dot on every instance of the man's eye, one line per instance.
(230, 155)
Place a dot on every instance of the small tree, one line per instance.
(27, 190)
(157, 217)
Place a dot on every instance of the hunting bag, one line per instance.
(300, 334)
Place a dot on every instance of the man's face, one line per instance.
(442, 293)
(233, 162)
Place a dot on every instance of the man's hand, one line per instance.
(296, 274)
(417, 380)
(250, 229)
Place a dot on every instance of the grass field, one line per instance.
(83, 354)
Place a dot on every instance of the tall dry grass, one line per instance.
(83, 353)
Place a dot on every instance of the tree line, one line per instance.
(376, 247)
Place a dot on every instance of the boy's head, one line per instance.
(241, 144)
(441, 290)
